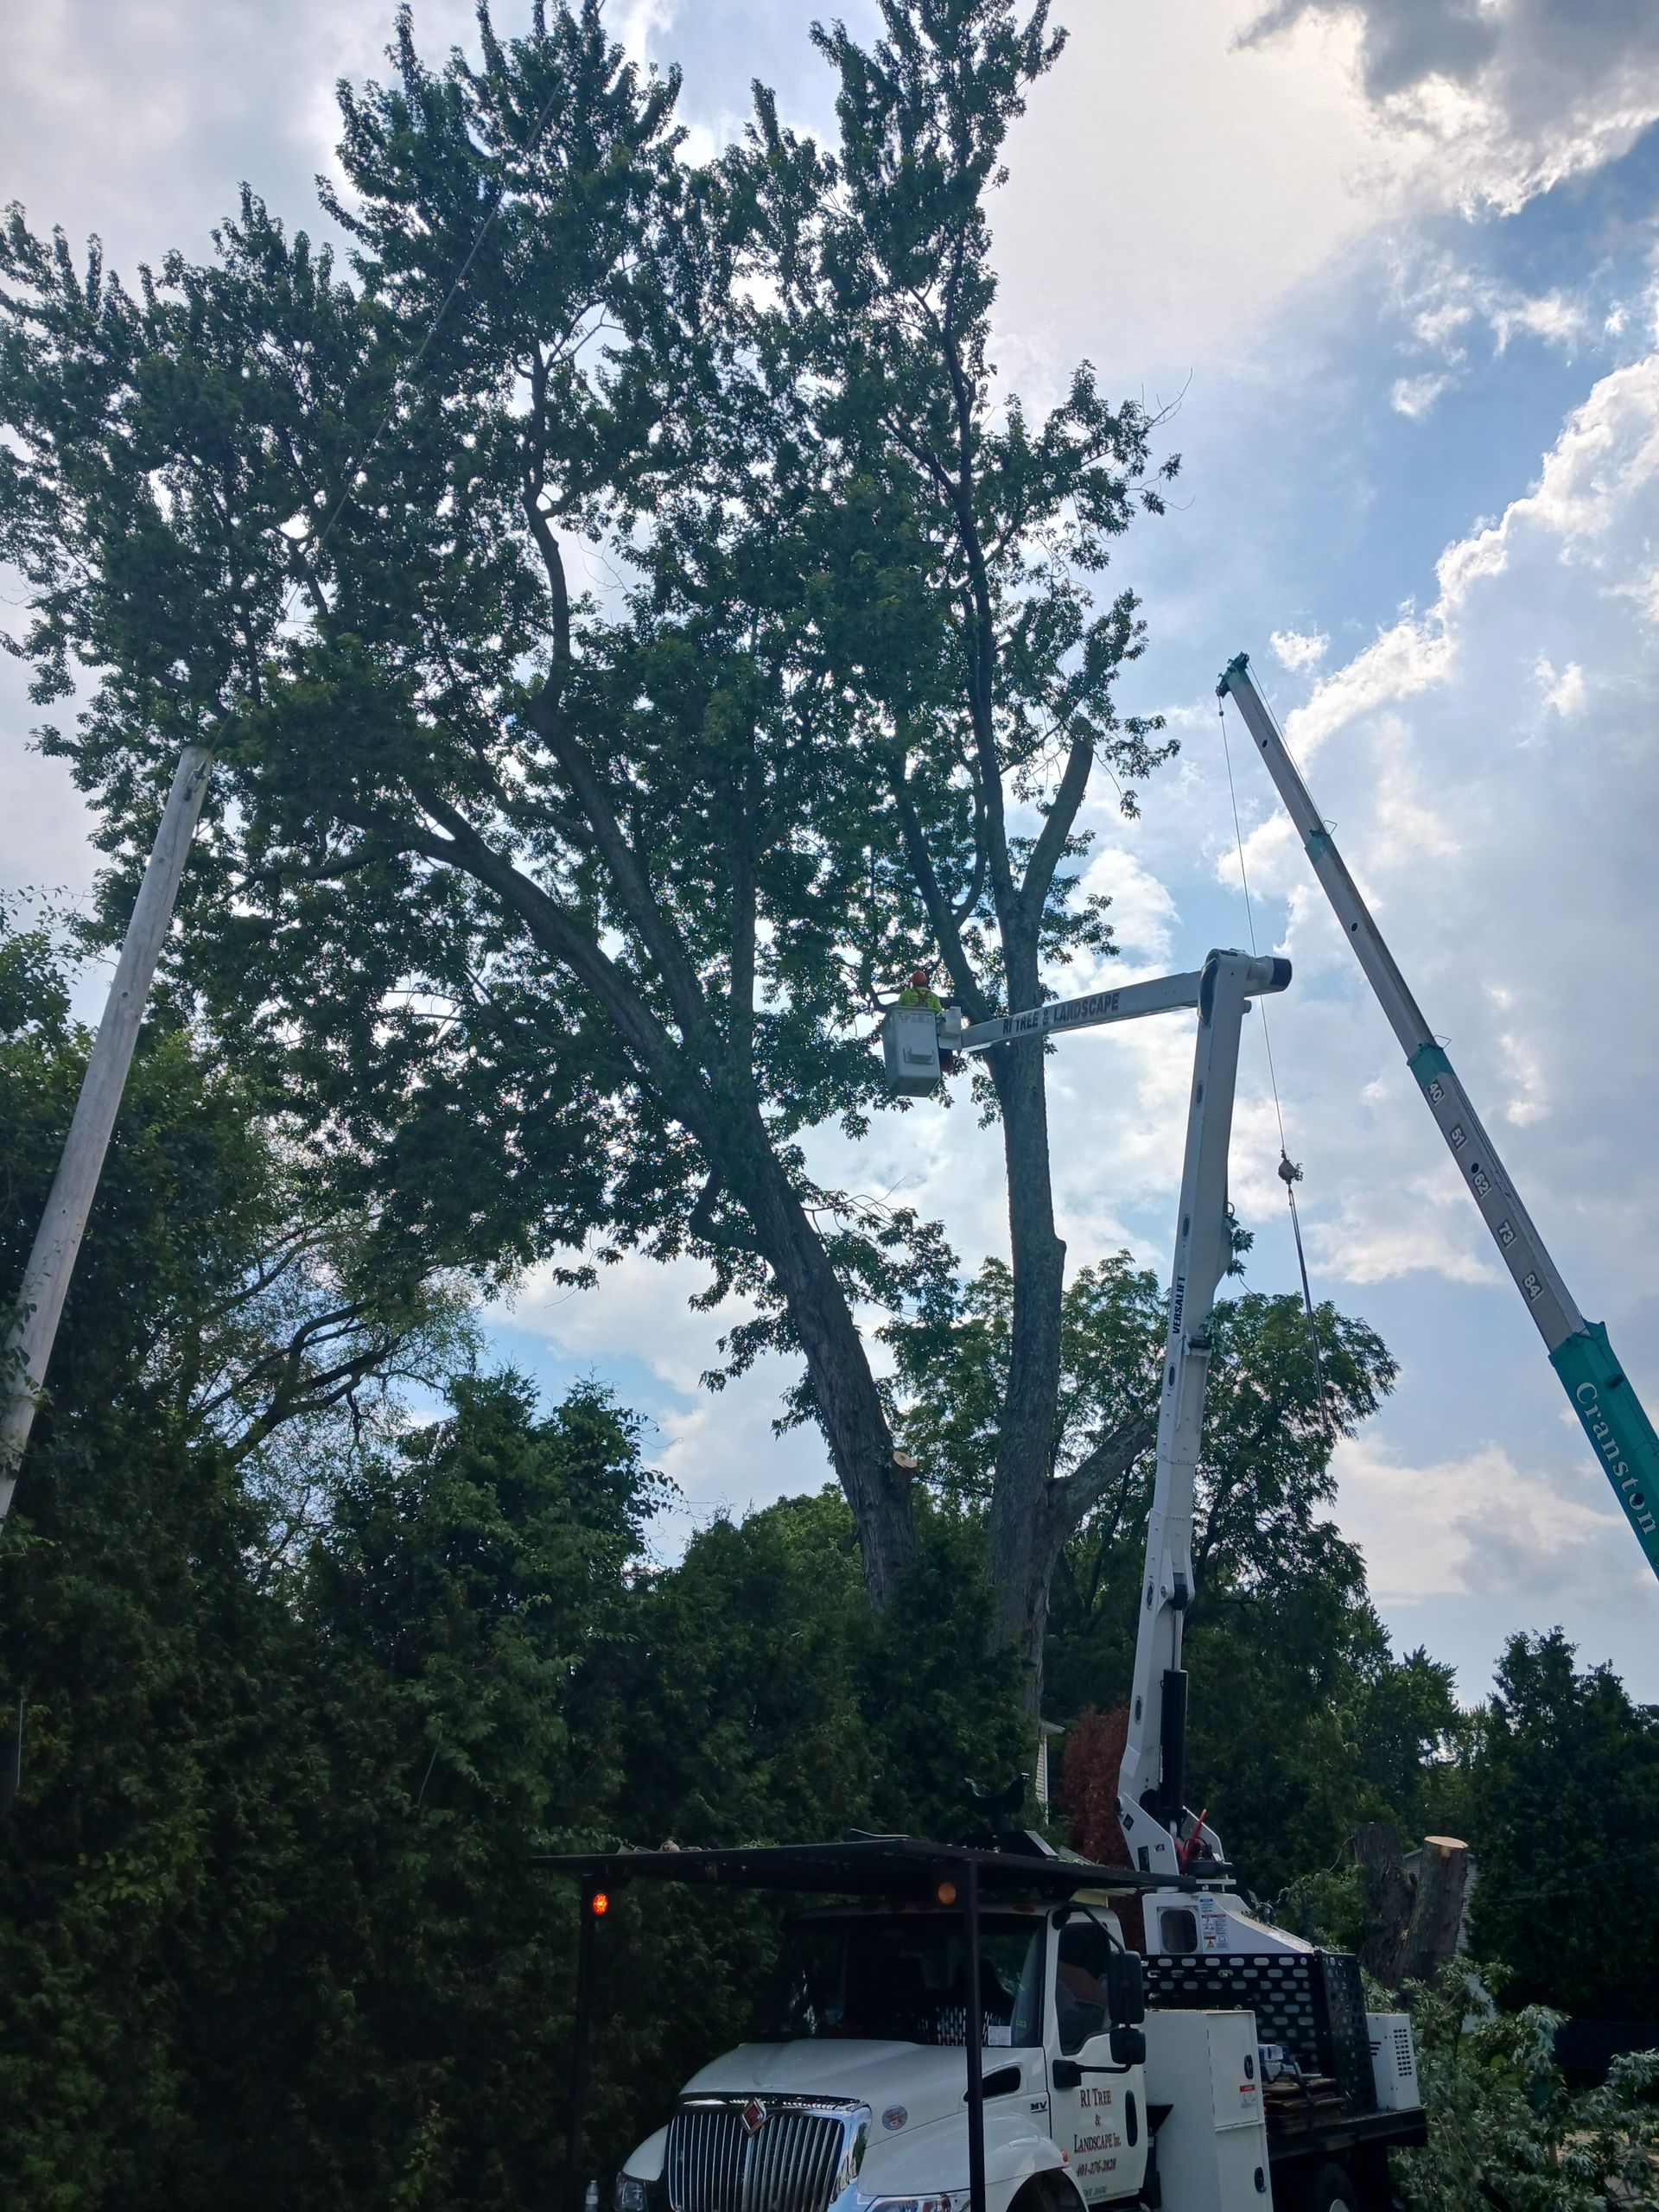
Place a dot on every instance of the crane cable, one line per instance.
(1290, 1173)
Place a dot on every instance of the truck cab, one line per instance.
(853, 2091)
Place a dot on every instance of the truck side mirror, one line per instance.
(1126, 1999)
(1128, 2047)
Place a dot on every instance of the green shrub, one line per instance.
(1506, 2130)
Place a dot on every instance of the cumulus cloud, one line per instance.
(1516, 94)
(1477, 1524)
(1564, 692)
(1142, 912)
(1298, 648)
(1414, 397)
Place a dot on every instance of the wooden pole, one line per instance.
(52, 1261)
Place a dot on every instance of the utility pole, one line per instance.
(52, 1261)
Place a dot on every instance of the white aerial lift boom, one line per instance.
(1162, 1835)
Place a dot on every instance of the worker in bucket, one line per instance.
(919, 991)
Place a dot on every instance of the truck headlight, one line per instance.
(632, 2195)
(945, 2199)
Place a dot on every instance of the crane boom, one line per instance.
(1601, 1394)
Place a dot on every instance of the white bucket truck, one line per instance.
(967, 2029)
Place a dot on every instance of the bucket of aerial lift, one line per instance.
(910, 1046)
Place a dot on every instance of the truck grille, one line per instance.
(762, 2155)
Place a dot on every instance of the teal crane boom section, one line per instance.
(1601, 1394)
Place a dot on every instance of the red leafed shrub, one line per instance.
(1088, 1790)
(1088, 1797)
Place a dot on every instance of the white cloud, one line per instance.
(1565, 692)
(1379, 1234)
(1414, 397)
(1142, 912)
(1509, 98)
(1643, 590)
(1246, 174)
(721, 1455)
(644, 1304)
(1446, 304)
(1555, 317)
(1479, 1523)
(1298, 648)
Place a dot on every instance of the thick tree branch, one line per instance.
(535, 483)
(551, 927)
(946, 928)
(963, 909)
(1057, 828)
(657, 933)
(1071, 1496)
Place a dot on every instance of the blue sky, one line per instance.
(1393, 266)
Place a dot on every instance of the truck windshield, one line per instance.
(903, 1977)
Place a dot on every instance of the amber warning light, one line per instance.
(599, 1904)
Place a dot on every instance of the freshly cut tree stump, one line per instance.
(1412, 1923)
(1437, 1908)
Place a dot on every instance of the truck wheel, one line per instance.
(1329, 2188)
(1047, 2193)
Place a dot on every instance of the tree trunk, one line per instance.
(1385, 1891)
(1411, 1927)
(1437, 1910)
(843, 1388)
(1023, 1544)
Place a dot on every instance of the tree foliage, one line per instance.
(632, 623)
(1505, 2129)
(1563, 1769)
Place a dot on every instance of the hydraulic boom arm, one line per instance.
(1150, 1810)
(1602, 1395)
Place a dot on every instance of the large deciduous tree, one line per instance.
(632, 626)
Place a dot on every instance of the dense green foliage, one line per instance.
(1564, 1773)
(297, 1721)
(1504, 2127)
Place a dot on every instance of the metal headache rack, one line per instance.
(1311, 2003)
